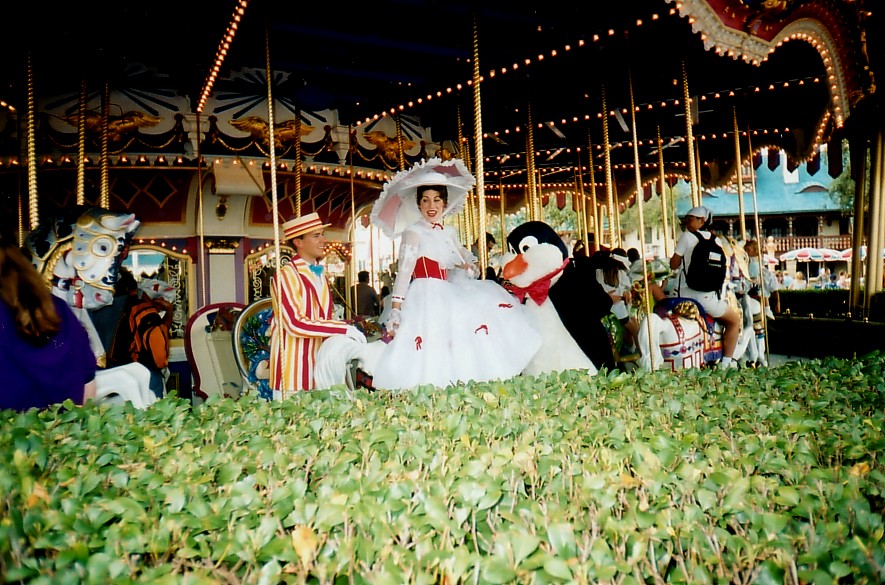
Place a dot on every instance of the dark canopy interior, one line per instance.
(554, 58)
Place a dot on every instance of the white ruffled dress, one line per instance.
(454, 328)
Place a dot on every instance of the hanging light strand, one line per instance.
(221, 53)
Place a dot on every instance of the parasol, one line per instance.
(811, 255)
(397, 207)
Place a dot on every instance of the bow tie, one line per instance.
(316, 269)
(538, 290)
(436, 226)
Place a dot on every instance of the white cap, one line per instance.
(700, 211)
(622, 259)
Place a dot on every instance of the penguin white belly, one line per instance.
(559, 350)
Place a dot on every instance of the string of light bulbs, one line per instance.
(516, 65)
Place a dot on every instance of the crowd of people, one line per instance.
(443, 324)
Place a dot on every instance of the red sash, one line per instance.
(428, 268)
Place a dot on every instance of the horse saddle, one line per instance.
(686, 308)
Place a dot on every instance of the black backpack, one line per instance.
(706, 273)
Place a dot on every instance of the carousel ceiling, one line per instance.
(550, 67)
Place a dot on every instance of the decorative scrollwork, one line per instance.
(260, 268)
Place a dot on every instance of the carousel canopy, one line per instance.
(544, 66)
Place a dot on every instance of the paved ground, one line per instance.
(779, 360)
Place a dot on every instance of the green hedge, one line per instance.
(767, 476)
(826, 303)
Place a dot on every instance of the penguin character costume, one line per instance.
(565, 294)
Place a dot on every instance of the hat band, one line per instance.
(297, 230)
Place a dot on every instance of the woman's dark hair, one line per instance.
(611, 272)
(28, 297)
(443, 192)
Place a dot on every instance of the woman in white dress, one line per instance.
(447, 327)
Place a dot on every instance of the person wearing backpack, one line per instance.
(703, 265)
(149, 320)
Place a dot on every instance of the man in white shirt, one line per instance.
(714, 302)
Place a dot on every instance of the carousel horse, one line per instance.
(79, 254)
(679, 335)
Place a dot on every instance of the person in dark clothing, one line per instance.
(576, 295)
(107, 319)
(490, 244)
(46, 358)
(367, 302)
(582, 303)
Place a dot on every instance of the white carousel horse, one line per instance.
(129, 383)
(79, 255)
(681, 338)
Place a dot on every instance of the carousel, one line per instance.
(214, 125)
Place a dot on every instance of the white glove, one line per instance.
(394, 319)
(355, 334)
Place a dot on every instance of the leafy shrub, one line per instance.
(765, 476)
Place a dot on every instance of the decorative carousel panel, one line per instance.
(238, 120)
(144, 115)
(154, 196)
(378, 143)
(260, 268)
(147, 261)
(328, 195)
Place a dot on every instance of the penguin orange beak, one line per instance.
(514, 268)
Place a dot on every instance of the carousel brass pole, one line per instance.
(268, 73)
(296, 168)
(859, 165)
(464, 153)
(399, 143)
(593, 202)
(201, 258)
(758, 248)
(609, 184)
(534, 204)
(21, 221)
(351, 274)
(640, 200)
(81, 147)
(663, 194)
(104, 200)
(33, 200)
(689, 139)
(540, 215)
(617, 213)
(503, 219)
(579, 189)
(873, 280)
(477, 138)
(372, 260)
(740, 183)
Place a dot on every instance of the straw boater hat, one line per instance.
(397, 207)
(303, 225)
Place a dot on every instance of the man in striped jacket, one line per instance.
(302, 309)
